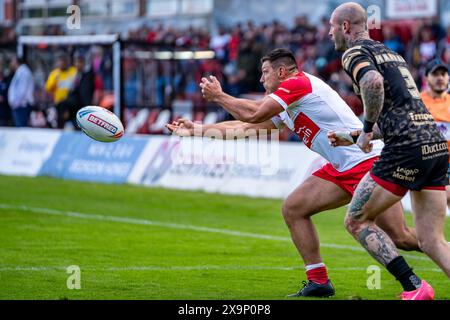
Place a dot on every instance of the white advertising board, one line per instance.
(408, 9)
(242, 167)
(23, 151)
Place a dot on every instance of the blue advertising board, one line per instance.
(78, 157)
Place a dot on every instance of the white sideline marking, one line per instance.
(188, 268)
(79, 215)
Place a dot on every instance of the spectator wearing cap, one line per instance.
(20, 92)
(437, 100)
(436, 96)
(60, 81)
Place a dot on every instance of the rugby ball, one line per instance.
(100, 124)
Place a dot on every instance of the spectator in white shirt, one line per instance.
(20, 92)
(219, 44)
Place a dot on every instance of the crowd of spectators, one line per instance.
(238, 49)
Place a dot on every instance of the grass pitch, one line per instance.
(141, 243)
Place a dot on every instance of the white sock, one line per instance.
(314, 266)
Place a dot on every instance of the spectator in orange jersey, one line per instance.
(437, 99)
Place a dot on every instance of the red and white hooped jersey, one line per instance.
(312, 108)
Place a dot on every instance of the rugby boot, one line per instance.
(313, 289)
(425, 292)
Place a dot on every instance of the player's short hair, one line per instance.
(280, 57)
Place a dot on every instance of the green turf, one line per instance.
(125, 260)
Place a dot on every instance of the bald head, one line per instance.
(352, 12)
(348, 23)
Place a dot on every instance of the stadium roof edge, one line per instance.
(84, 39)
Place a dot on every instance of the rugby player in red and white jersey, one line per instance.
(309, 107)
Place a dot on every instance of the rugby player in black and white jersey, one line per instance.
(414, 158)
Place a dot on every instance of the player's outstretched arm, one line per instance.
(251, 111)
(342, 138)
(347, 138)
(222, 130)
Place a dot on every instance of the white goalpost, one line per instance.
(108, 39)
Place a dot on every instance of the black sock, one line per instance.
(403, 273)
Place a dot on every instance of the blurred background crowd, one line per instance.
(66, 78)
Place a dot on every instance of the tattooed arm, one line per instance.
(372, 93)
(371, 86)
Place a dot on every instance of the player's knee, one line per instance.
(403, 243)
(291, 211)
(288, 212)
(353, 226)
(427, 244)
(404, 239)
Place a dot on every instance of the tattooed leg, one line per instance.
(368, 202)
(361, 197)
(378, 244)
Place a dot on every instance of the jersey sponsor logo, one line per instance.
(427, 149)
(405, 174)
(102, 123)
(433, 151)
(421, 119)
(306, 129)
